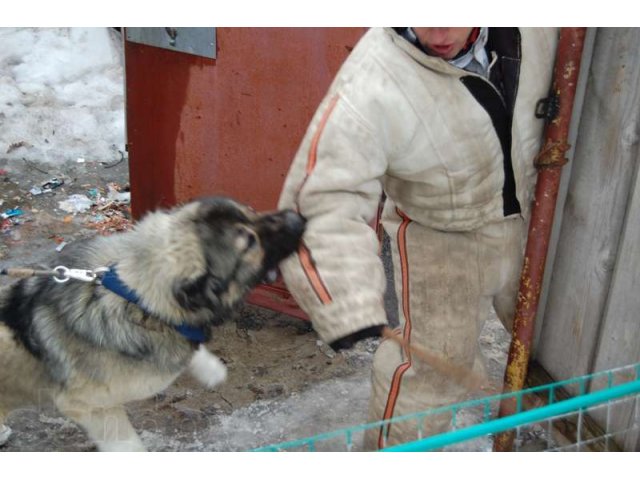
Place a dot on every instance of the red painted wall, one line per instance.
(228, 126)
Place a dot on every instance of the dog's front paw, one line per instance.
(5, 433)
(207, 368)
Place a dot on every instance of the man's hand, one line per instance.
(350, 340)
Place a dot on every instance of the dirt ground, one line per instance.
(283, 383)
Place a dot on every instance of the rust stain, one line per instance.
(569, 69)
(518, 359)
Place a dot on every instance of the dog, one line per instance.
(88, 348)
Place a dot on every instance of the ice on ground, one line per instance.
(325, 407)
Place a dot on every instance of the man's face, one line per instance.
(443, 42)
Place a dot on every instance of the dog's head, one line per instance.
(194, 263)
(240, 248)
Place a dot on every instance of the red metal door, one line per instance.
(230, 125)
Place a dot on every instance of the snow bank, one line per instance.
(61, 94)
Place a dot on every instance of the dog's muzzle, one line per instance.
(280, 234)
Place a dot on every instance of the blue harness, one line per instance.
(111, 281)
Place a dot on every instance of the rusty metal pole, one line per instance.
(549, 163)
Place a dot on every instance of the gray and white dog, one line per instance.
(89, 348)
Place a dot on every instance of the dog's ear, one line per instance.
(201, 292)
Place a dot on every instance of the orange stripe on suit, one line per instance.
(306, 260)
(394, 391)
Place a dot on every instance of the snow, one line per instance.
(61, 94)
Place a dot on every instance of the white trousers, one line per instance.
(446, 284)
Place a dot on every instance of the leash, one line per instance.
(60, 274)
(107, 277)
(465, 377)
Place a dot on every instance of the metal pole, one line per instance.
(549, 163)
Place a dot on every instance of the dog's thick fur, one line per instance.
(88, 351)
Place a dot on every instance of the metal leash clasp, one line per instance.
(62, 274)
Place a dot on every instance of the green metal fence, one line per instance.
(603, 408)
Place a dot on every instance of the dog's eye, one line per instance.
(246, 239)
(252, 240)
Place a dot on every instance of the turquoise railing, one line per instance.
(605, 387)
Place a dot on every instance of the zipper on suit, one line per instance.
(500, 113)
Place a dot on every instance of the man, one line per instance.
(442, 121)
